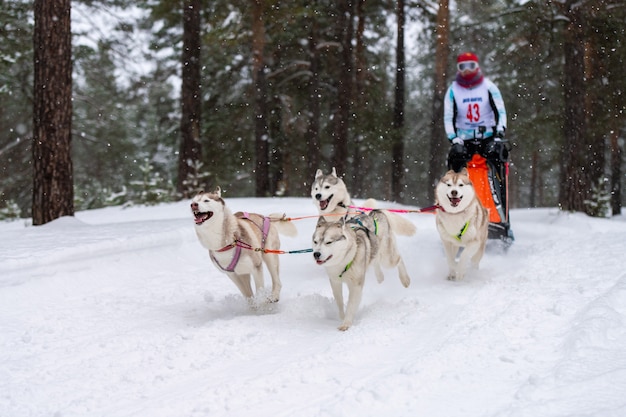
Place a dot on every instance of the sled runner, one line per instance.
(491, 182)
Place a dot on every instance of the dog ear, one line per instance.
(321, 221)
(334, 173)
(343, 225)
(318, 174)
(218, 191)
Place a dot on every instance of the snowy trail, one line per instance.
(120, 313)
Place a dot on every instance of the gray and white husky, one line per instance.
(462, 222)
(330, 194)
(232, 239)
(347, 248)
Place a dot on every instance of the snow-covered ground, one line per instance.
(119, 312)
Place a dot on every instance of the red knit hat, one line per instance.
(467, 56)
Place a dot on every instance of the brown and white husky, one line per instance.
(233, 241)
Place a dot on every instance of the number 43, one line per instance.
(473, 112)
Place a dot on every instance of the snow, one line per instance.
(119, 312)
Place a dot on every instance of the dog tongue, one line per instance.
(202, 217)
(323, 204)
(455, 201)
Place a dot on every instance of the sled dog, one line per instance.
(330, 194)
(331, 197)
(347, 248)
(232, 239)
(462, 222)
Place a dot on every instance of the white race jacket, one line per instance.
(465, 109)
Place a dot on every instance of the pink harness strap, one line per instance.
(233, 263)
(265, 228)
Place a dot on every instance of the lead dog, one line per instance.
(347, 248)
(462, 222)
(232, 239)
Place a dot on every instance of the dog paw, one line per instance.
(455, 277)
(343, 327)
(380, 277)
(405, 280)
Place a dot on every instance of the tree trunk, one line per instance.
(190, 148)
(53, 192)
(596, 112)
(397, 147)
(313, 130)
(575, 174)
(616, 173)
(278, 172)
(261, 129)
(344, 90)
(438, 142)
(359, 162)
(534, 182)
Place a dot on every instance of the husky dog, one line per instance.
(347, 248)
(330, 194)
(462, 222)
(232, 240)
(331, 197)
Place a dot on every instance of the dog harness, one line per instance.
(462, 232)
(346, 268)
(361, 226)
(237, 244)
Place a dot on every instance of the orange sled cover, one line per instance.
(479, 174)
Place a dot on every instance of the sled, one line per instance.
(491, 182)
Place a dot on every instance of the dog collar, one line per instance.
(462, 232)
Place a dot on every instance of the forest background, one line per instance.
(169, 97)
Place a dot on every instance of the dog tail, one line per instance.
(283, 225)
(370, 203)
(400, 225)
